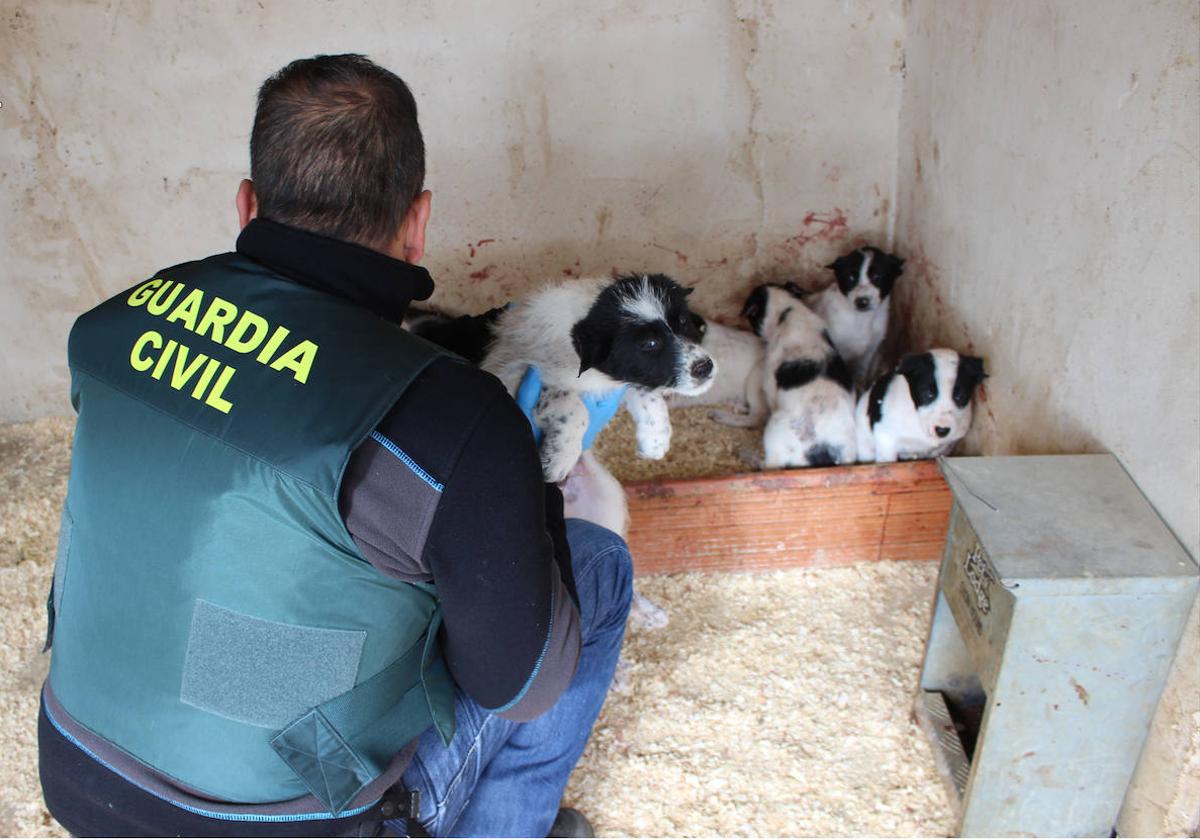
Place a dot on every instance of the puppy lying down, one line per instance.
(807, 397)
(737, 354)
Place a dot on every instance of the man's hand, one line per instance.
(600, 407)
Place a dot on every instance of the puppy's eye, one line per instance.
(650, 344)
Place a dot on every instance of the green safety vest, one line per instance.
(210, 613)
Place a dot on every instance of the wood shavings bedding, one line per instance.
(699, 447)
(773, 704)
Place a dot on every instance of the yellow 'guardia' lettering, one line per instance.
(242, 331)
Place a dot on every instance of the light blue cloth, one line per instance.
(498, 778)
(601, 407)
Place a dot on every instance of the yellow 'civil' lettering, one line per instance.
(168, 351)
(205, 378)
(183, 372)
(135, 355)
(214, 398)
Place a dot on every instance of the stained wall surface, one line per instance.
(1049, 202)
(713, 141)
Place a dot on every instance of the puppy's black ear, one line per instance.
(687, 290)
(795, 291)
(970, 374)
(592, 343)
(972, 365)
(755, 308)
(840, 261)
(920, 371)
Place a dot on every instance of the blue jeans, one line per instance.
(498, 778)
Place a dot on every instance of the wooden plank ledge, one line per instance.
(831, 516)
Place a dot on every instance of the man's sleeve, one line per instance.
(498, 554)
(449, 489)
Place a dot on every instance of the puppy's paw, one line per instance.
(556, 466)
(737, 419)
(647, 615)
(655, 448)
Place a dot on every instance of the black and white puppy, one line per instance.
(855, 307)
(591, 336)
(919, 410)
(805, 384)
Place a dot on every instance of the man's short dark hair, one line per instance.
(336, 149)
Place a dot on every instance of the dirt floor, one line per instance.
(772, 704)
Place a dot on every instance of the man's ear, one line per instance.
(247, 202)
(590, 344)
(410, 243)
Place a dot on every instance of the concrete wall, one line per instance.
(1049, 203)
(714, 141)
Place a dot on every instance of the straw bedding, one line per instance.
(773, 704)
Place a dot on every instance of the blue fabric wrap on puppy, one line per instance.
(601, 407)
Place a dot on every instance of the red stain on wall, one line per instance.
(830, 226)
(679, 255)
(479, 244)
(826, 225)
(482, 274)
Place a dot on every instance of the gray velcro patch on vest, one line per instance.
(261, 672)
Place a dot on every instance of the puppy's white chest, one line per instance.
(855, 334)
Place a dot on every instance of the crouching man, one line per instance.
(309, 580)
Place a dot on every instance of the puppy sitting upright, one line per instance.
(855, 308)
(805, 383)
(592, 336)
(920, 409)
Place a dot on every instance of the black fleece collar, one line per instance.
(372, 280)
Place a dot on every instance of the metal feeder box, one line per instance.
(1061, 600)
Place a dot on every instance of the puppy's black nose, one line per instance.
(942, 431)
(862, 304)
(702, 369)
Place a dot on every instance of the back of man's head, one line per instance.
(336, 149)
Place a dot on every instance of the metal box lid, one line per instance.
(1056, 517)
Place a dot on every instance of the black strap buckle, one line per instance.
(400, 804)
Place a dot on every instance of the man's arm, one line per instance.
(492, 538)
